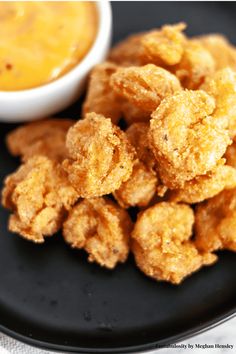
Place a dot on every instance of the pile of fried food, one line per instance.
(175, 160)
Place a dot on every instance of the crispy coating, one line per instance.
(127, 52)
(144, 86)
(162, 246)
(100, 97)
(222, 86)
(133, 114)
(100, 156)
(100, 227)
(139, 189)
(195, 66)
(39, 195)
(137, 134)
(186, 140)
(206, 186)
(165, 46)
(230, 155)
(46, 137)
(215, 222)
(222, 51)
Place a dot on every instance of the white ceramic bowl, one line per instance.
(45, 100)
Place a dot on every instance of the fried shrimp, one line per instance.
(46, 137)
(223, 53)
(144, 86)
(162, 246)
(101, 98)
(39, 195)
(215, 222)
(186, 140)
(222, 86)
(165, 46)
(206, 186)
(100, 227)
(139, 189)
(100, 156)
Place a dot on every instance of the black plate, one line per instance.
(52, 298)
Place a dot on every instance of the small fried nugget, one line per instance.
(215, 222)
(186, 139)
(46, 137)
(222, 86)
(100, 97)
(39, 195)
(100, 227)
(144, 86)
(206, 186)
(195, 66)
(223, 53)
(230, 155)
(164, 46)
(161, 243)
(127, 52)
(100, 156)
(139, 189)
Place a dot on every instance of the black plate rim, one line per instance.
(195, 330)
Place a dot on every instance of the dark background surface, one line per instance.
(50, 296)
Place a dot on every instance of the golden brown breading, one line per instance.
(137, 134)
(144, 86)
(164, 46)
(222, 86)
(133, 114)
(139, 189)
(195, 66)
(162, 246)
(186, 139)
(46, 137)
(100, 227)
(100, 97)
(39, 195)
(206, 186)
(222, 51)
(127, 52)
(215, 219)
(230, 155)
(100, 156)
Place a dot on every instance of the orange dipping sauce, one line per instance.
(41, 41)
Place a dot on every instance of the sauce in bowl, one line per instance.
(41, 41)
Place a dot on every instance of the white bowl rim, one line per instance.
(103, 36)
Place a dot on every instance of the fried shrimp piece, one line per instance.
(100, 227)
(139, 189)
(186, 140)
(46, 137)
(101, 98)
(133, 114)
(164, 46)
(144, 86)
(100, 156)
(230, 155)
(206, 186)
(195, 66)
(215, 222)
(39, 195)
(222, 86)
(223, 53)
(162, 246)
(127, 52)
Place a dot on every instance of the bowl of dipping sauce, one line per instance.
(46, 51)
